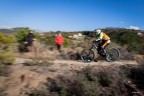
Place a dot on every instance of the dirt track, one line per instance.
(79, 62)
(100, 62)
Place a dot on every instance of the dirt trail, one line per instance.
(79, 62)
(100, 62)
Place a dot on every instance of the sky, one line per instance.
(71, 15)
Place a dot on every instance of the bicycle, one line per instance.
(110, 55)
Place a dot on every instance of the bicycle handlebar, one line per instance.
(94, 41)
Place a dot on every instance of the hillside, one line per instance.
(11, 30)
(44, 71)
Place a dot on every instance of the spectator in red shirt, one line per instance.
(59, 41)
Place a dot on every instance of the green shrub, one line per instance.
(6, 39)
(6, 53)
(21, 34)
(50, 41)
(66, 42)
(7, 56)
(129, 38)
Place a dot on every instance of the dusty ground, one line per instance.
(23, 79)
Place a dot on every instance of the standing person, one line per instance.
(104, 40)
(29, 39)
(59, 41)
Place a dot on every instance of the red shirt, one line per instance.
(59, 40)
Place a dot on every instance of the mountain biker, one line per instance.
(104, 40)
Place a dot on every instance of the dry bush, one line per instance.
(135, 73)
(92, 81)
(41, 92)
(39, 62)
(124, 54)
(70, 53)
(40, 55)
(4, 70)
(88, 82)
(139, 58)
(2, 93)
(40, 51)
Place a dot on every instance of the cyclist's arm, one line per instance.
(100, 37)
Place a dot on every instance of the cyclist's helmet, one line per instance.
(98, 31)
(30, 31)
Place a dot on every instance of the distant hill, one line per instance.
(11, 30)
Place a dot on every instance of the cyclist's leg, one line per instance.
(104, 45)
(99, 49)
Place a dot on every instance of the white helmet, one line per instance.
(98, 31)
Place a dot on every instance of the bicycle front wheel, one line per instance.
(87, 55)
(112, 55)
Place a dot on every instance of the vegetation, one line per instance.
(6, 39)
(39, 62)
(41, 92)
(11, 30)
(4, 70)
(2, 93)
(128, 38)
(67, 42)
(7, 56)
(48, 39)
(6, 52)
(135, 73)
(91, 82)
(21, 34)
(87, 82)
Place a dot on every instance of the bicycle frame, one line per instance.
(94, 46)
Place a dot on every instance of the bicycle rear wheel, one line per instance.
(87, 55)
(112, 55)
